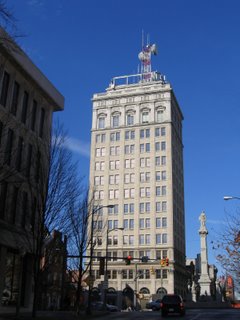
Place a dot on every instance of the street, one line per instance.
(192, 314)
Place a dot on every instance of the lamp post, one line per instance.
(88, 310)
(106, 263)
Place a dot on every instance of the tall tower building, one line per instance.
(136, 168)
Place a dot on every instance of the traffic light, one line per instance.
(167, 262)
(128, 260)
(101, 266)
(163, 262)
(144, 259)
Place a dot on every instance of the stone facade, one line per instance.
(137, 166)
(27, 102)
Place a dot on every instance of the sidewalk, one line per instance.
(9, 313)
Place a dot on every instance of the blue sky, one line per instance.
(81, 44)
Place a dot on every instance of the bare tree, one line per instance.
(80, 218)
(228, 246)
(53, 185)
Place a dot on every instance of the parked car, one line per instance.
(100, 306)
(112, 307)
(172, 303)
(154, 305)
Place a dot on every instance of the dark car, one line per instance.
(154, 305)
(172, 303)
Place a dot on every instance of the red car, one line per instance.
(172, 303)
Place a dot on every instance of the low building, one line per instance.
(53, 272)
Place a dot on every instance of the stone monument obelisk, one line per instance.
(204, 280)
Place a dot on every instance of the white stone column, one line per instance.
(204, 280)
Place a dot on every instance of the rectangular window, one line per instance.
(24, 209)
(158, 238)
(164, 175)
(5, 86)
(141, 223)
(158, 222)
(19, 154)
(158, 206)
(8, 148)
(147, 147)
(163, 145)
(147, 133)
(157, 132)
(157, 146)
(157, 161)
(164, 222)
(131, 240)
(131, 223)
(142, 133)
(163, 131)
(34, 113)
(141, 239)
(164, 238)
(147, 238)
(131, 208)
(147, 206)
(147, 223)
(15, 96)
(3, 197)
(125, 224)
(141, 207)
(158, 191)
(13, 211)
(158, 175)
(164, 190)
(164, 206)
(163, 160)
(42, 119)
(24, 107)
(147, 191)
(29, 160)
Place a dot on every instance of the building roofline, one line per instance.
(20, 57)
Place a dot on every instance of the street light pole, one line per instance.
(88, 310)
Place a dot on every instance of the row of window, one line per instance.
(18, 211)
(113, 255)
(18, 97)
(130, 118)
(130, 135)
(130, 149)
(144, 192)
(130, 274)
(143, 239)
(18, 154)
(130, 163)
(129, 208)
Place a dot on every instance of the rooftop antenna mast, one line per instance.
(145, 55)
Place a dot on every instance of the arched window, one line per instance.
(144, 290)
(145, 117)
(115, 120)
(101, 122)
(162, 291)
(160, 114)
(130, 119)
